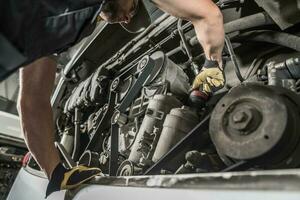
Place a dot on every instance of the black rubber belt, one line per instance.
(128, 100)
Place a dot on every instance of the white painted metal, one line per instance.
(10, 126)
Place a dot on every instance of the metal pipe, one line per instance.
(174, 51)
(233, 59)
(259, 19)
(77, 120)
(187, 47)
(184, 41)
(273, 37)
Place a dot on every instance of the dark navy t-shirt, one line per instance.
(37, 28)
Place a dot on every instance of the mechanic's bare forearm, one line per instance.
(36, 84)
(207, 20)
(210, 33)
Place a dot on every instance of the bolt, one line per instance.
(239, 117)
(143, 63)
(116, 117)
(133, 129)
(115, 84)
(119, 118)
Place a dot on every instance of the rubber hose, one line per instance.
(259, 19)
(233, 59)
(273, 37)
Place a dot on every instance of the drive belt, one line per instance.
(146, 65)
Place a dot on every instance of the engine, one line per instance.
(132, 115)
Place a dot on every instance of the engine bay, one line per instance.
(132, 114)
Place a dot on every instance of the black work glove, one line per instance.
(63, 179)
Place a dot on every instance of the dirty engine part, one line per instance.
(259, 124)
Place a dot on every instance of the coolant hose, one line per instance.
(259, 19)
(273, 37)
(251, 21)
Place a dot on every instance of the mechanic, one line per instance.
(37, 76)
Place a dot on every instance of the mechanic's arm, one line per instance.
(36, 85)
(208, 22)
(206, 18)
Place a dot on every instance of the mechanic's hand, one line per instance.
(210, 79)
(63, 178)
